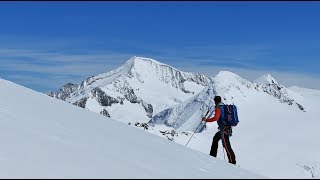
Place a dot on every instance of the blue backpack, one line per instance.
(229, 115)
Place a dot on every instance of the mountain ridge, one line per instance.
(148, 87)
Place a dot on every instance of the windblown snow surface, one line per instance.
(42, 137)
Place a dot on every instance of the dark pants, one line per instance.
(226, 144)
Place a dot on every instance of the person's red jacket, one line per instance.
(216, 115)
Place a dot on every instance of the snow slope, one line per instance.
(42, 137)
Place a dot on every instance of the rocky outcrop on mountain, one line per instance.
(148, 108)
(104, 112)
(102, 98)
(64, 92)
(81, 103)
(124, 88)
(269, 85)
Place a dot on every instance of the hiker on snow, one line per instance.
(224, 132)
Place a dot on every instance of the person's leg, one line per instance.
(214, 146)
(227, 146)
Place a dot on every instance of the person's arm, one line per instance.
(216, 115)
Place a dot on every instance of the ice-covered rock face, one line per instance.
(187, 115)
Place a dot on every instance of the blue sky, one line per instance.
(44, 45)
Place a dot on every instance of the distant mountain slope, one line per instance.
(233, 89)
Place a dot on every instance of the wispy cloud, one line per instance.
(246, 56)
(36, 67)
(49, 67)
(203, 60)
(58, 63)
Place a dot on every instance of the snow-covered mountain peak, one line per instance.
(227, 74)
(134, 67)
(147, 69)
(143, 84)
(271, 86)
(142, 66)
(229, 78)
(135, 60)
(266, 79)
(231, 86)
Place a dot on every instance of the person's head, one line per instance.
(217, 99)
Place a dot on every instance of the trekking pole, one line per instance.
(224, 155)
(197, 127)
